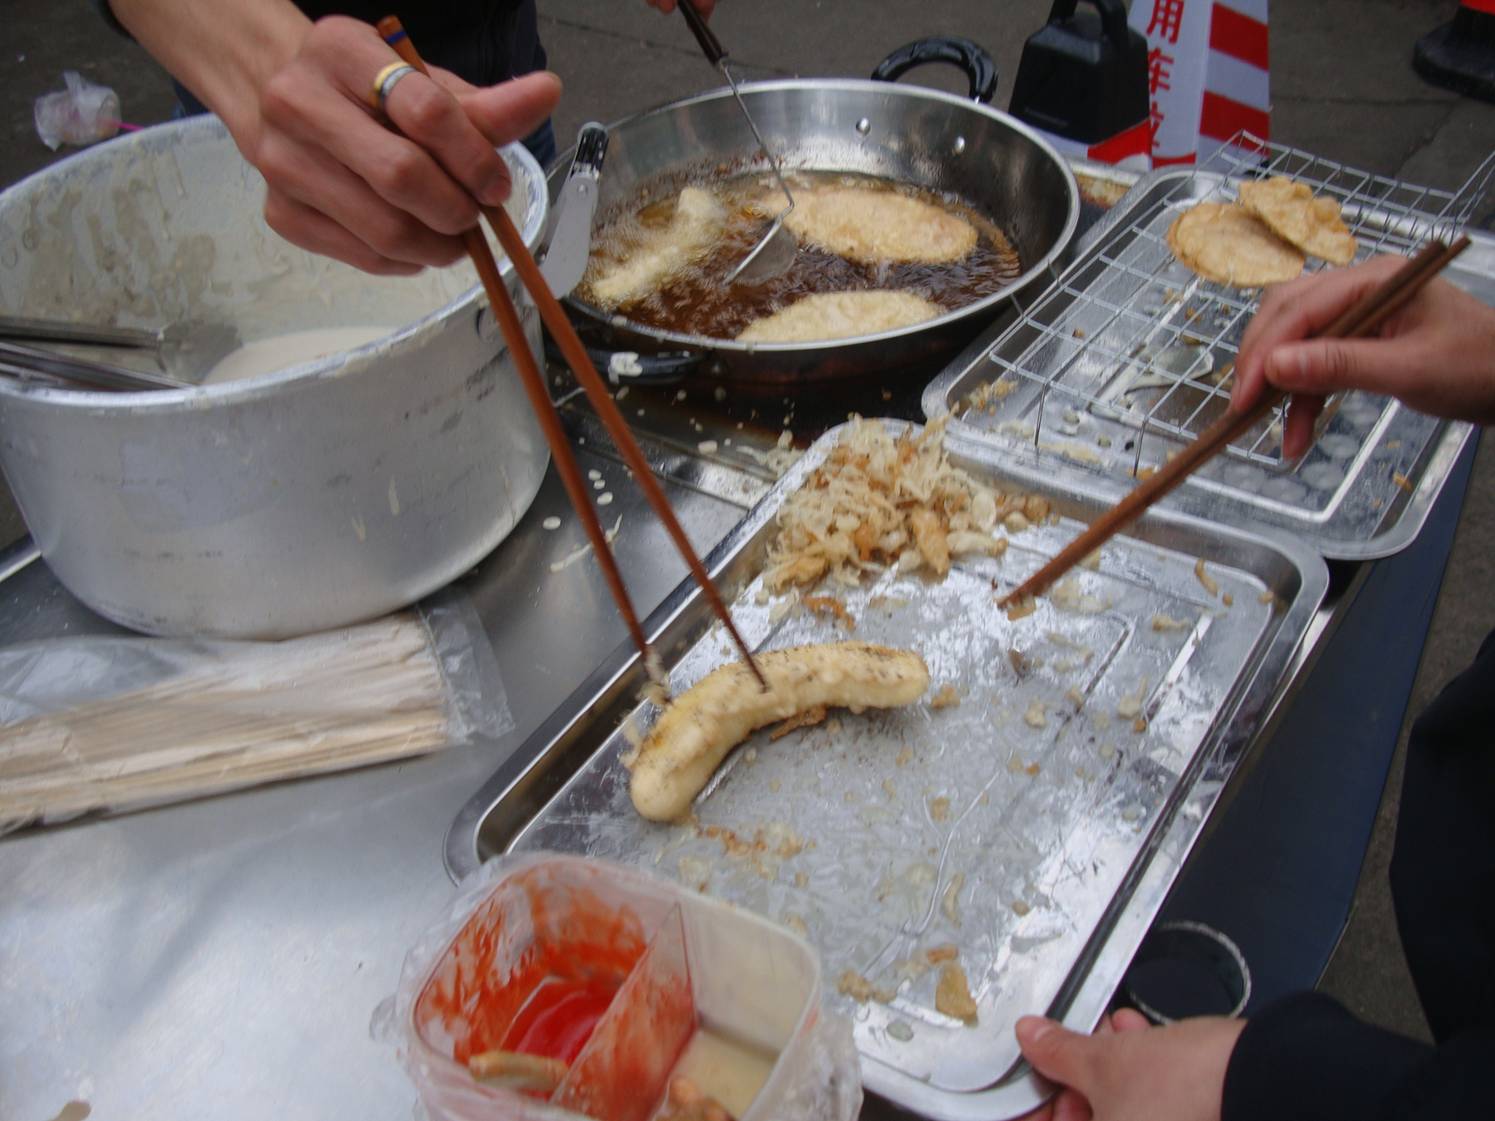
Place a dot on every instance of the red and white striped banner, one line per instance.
(1125, 149)
(1208, 73)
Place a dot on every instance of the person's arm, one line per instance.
(295, 97)
(1437, 354)
(1303, 1058)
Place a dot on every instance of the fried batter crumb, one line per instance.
(806, 719)
(947, 697)
(829, 607)
(881, 499)
(1021, 609)
(950, 901)
(1206, 581)
(853, 984)
(952, 995)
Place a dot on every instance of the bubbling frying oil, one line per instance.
(696, 300)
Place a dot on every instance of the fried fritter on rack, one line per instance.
(1291, 211)
(1226, 243)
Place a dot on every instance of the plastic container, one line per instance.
(592, 923)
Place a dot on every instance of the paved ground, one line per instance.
(1342, 86)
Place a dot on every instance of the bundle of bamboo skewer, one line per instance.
(243, 714)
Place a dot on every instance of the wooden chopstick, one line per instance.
(1361, 319)
(554, 317)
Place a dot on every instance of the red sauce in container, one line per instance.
(541, 965)
(559, 1017)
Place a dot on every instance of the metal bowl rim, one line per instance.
(195, 398)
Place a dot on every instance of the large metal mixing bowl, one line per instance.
(308, 498)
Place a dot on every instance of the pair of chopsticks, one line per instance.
(576, 356)
(1362, 319)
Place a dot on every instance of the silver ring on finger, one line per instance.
(385, 81)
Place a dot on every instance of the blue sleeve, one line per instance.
(1306, 1058)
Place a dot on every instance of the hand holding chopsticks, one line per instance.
(596, 390)
(1360, 320)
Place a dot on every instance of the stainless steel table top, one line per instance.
(221, 958)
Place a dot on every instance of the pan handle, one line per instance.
(626, 367)
(1112, 15)
(979, 67)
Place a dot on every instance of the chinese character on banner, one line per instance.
(1207, 73)
(1158, 65)
(1166, 20)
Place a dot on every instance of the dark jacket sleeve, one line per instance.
(1306, 1056)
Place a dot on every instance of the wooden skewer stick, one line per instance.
(1362, 319)
(576, 356)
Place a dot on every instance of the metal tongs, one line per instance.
(591, 382)
(202, 343)
(775, 250)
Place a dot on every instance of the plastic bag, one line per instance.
(80, 115)
(111, 723)
(749, 978)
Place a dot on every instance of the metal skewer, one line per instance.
(31, 364)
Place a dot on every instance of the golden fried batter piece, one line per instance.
(695, 733)
(1291, 211)
(840, 315)
(1228, 244)
(952, 995)
(870, 226)
(930, 538)
(694, 230)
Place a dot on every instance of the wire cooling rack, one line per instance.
(1134, 339)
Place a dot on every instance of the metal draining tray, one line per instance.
(1075, 773)
(1124, 360)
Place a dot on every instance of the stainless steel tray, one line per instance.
(1115, 367)
(1065, 837)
